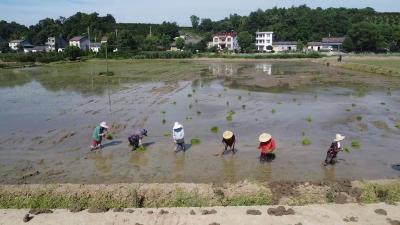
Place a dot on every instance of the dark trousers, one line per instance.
(180, 144)
(267, 157)
(134, 142)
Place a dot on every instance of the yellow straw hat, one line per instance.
(227, 134)
(264, 137)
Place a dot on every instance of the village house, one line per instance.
(189, 39)
(80, 42)
(39, 48)
(314, 46)
(284, 46)
(55, 44)
(24, 43)
(263, 40)
(225, 40)
(333, 43)
(95, 47)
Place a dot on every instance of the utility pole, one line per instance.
(88, 31)
(107, 57)
(116, 34)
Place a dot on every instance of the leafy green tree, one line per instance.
(195, 20)
(4, 48)
(165, 41)
(150, 43)
(300, 45)
(245, 40)
(206, 25)
(127, 40)
(348, 44)
(169, 29)
(73, 52)
(180, 43)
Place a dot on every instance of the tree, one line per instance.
(206, 25)
(127, 40)
(299, 45)
(245, 40)
(4, 48)
(180, 43)
(169, 29)
(195, 20)
(270, 48)
(165, 41)
(73, 52)
(348, 44)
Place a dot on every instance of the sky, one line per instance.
(29, 12)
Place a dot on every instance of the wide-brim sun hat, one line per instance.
(227, 134)
(339, 137)
(177, 125)
(104, 124)
(264, 137)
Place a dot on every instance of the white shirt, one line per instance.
(177, 135)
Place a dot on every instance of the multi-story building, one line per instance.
(55, 44)
(225, 40)
(263, 40)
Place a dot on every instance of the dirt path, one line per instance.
(312, 214)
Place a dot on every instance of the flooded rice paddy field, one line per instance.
(47, 115)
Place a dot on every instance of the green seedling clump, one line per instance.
(167, 134)
(308, 119)
(294, 99)
(214, 129)
(348, 110)
(219, 95)
(229, 117)
(164, 121)
(397, 125)
(273, 111)
(243, 106)
(198, 113)
(194, 90)
(346, 149)
(163, 112)
(190, 106)
(227, 103)
(353, 105)
(195, 141)
(355, 144)
(188, 118)
(359, 118)
(306, 141)
(196, 101)
(174, 103)
(239, 97)
(141, 148)
(189, 95)
(109, 136)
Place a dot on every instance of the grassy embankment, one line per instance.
(191, 195)
(383, 65)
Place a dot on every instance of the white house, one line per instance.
(15, 43)
(225, 40)
(263, 40)
(285, 46)
(314, 46)
(95, 47)
(80, 42)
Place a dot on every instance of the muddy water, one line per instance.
(47, 117)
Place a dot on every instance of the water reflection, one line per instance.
(264, 67)
(222, 70)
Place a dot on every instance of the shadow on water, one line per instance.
(147, 144)
(396, 167)
(111, 143)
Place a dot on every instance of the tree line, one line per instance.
(364, 29)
